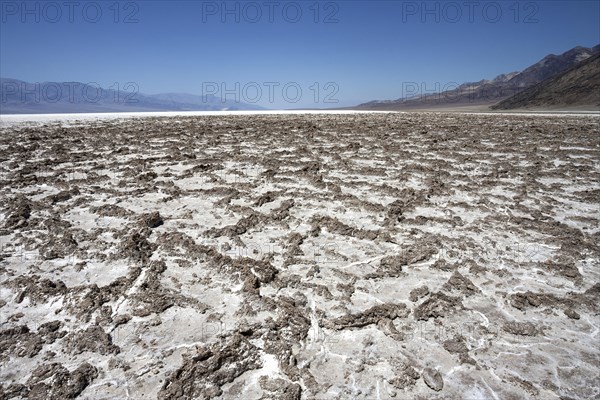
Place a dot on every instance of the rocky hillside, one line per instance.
(579, 86)
(488, 92)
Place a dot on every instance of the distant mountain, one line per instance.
(552, 65)
(488, 92)
(579, 86)
(19, 97)
(191, 99)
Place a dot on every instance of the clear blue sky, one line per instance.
(367, 49)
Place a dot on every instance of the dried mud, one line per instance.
(367, 256)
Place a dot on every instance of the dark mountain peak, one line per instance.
(491, 91)
(577, 52)
(550, 65)
(578, 86)
(504, 77)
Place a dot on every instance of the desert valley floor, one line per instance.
(301, 256)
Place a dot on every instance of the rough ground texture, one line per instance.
(364, 256)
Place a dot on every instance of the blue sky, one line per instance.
(351, 51)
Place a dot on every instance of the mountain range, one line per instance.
(485, 93)
(568, 80)
(577, 86)
(20, 97)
